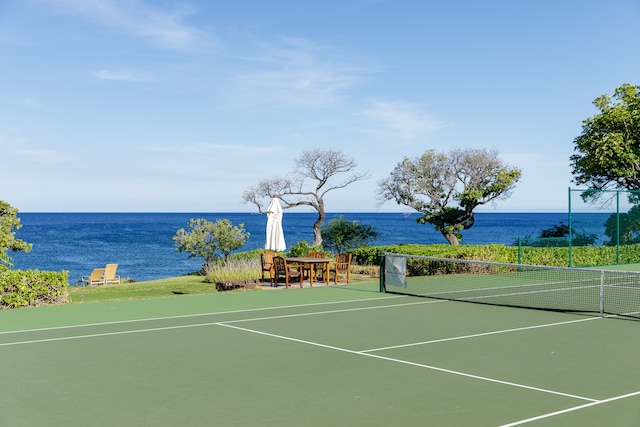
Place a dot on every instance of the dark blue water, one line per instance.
(142, 245)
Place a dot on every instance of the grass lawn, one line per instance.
(182, 285)
(138, 290)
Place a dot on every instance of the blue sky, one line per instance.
(179, 106)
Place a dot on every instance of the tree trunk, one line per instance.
(451, 238)
(317, 233)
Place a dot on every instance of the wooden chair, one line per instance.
(314, 254)
(266, 259)
(341, 266)
(110, 276)
(95, 278)
(281, 268)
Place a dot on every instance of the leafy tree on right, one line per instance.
(608, 158)
(608, 149)
(447, 187)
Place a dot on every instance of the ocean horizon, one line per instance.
(141, 242)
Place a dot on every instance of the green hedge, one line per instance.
(32, 288)
(582, 256)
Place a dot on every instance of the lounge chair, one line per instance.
(110, 276)
(281, 268)
(95, 278)
(341, 266)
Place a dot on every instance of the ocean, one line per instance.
(142, 245)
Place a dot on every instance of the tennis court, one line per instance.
(336, 355)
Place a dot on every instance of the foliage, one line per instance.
(341, 234)
(319, 166)
(608, 149)
(623, 228)
(583, 256)
(205, 239)
(32, 288)
(9, 222)
(302, 249)
(446, 188)
(558, 235)
(235, 269)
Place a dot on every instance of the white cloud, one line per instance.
(122, 75)
(32, 103)
(163, 27)
(42, 155)
(298, 72)
(399, 119)
(200, 148)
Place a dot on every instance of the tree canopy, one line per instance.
(623, 228)
(341, 234)
(317, 172)
(9, 223)
(608, 149)
(447, 187)
(205, 239)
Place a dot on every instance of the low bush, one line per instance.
(32, 288)
(235, 269)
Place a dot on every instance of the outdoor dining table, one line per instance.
(313, 264)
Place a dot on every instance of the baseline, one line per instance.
(187, 316)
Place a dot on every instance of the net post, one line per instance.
(602, 293)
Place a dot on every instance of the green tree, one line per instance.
(206, 239)
(9, 222)
(608, 149)
(626, 225)
(317, 172)
(560, 231)
(341, 234)
(446, 188)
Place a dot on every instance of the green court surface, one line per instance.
(322, 356)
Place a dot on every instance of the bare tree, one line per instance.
(314, 176)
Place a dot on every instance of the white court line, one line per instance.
(106, 334)
(405, 362)
(166, 328)
(227, 325)
(575, 408)
(462, 337)
(187, 316)
(343, 310)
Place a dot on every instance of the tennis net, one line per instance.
(607, 292)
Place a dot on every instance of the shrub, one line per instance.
(340, 234)
(582, 256)
(205, 239)
(302, 249)
(235, 270)
(32, 288)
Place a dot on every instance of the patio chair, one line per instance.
(95, 278)
(281, 268)
(110, 276)
(341, 266)
(266, 259)
(314, 254)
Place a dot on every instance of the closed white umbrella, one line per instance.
(275, 235)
